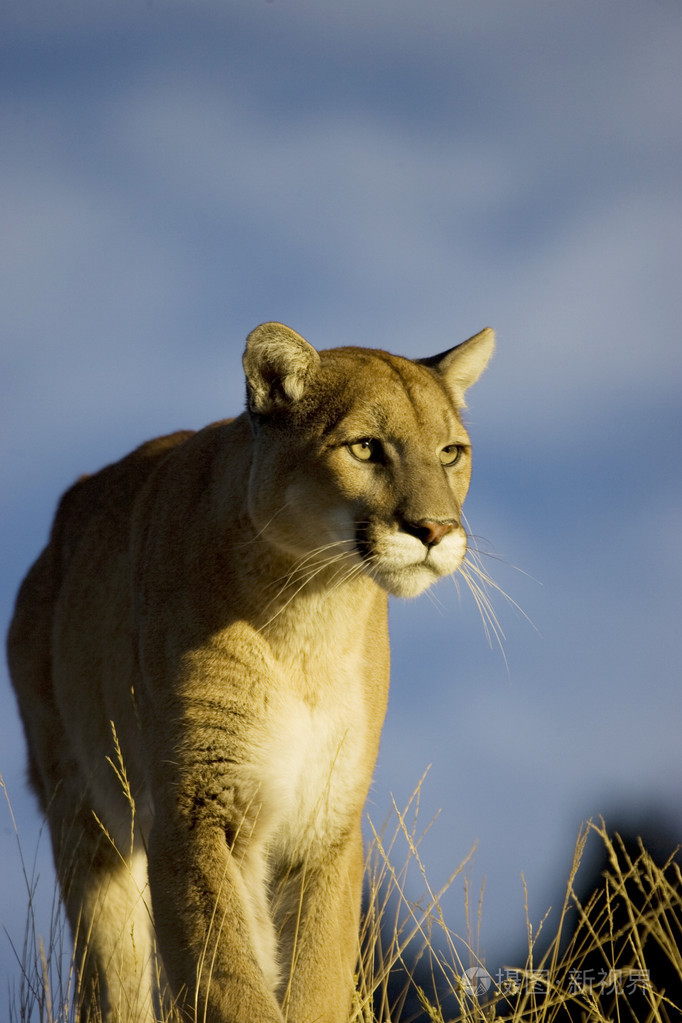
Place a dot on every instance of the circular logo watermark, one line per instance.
(476, 980)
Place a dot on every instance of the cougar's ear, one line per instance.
(461, 367)
(278, 364)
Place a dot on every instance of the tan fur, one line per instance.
(205, 637)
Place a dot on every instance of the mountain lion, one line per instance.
(201, 660)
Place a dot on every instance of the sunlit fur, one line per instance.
(201, 660)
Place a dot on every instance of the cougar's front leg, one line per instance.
(319, 919)
(217, 941)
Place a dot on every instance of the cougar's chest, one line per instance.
(316, 758)
(323, 717)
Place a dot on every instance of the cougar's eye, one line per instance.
(365, 450)
(450, 454)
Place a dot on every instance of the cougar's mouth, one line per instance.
(375, 546)
(400, 562)
(367, 539)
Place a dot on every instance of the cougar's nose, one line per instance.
(429, 531)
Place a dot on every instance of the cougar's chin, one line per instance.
(403, 582)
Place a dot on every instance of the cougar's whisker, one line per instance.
(303, 564)
(259, 535)
(299, 586)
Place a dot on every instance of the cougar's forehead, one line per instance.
(384, 392)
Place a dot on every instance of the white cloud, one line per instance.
(404, 221)
(596, 305)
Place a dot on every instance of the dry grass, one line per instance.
(610, 959)
(615, 957)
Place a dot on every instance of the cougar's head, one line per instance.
(361, 460)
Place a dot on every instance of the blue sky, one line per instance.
(397, 175)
